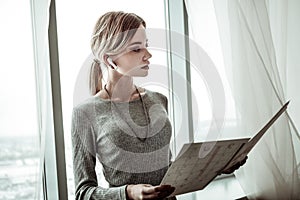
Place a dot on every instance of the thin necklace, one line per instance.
(145, 112)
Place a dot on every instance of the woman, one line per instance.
(126, 127)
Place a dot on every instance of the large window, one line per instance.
(206, 37)
(19, 137)
(212, 100)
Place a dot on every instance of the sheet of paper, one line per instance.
(191, 171)
(199, 163)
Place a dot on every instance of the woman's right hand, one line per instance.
(146, 191)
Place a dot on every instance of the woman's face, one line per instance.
(134, 61)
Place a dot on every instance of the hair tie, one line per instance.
(96, 61)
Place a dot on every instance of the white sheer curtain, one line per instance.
(259, 45)
(40, 23)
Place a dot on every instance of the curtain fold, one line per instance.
(40, 23)
(259, 86)
(256, 38)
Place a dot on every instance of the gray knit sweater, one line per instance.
(112, 132)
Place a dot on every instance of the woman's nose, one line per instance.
(147, 55)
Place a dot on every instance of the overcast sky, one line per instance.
(17, 85)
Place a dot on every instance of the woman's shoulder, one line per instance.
(88, 105)
(156, 95)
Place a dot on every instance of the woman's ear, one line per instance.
(112, 64)
(109, 62)
(105, 60)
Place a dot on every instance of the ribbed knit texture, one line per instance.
(107, 131)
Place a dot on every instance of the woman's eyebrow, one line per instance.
(134, 43)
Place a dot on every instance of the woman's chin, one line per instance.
(141, 73)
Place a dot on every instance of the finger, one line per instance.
(244, 161)
(150, 196)
(166, 193)
(158, 195)
(235, 166)
(231, 169)
(157, 192)
(227, 172)
(154, 195)
(148, 189)
(161, 188)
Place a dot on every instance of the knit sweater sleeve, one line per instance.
(84, 161)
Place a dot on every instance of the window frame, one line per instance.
(177, 32)
(57, 105)
(177, 26)
(49, 99)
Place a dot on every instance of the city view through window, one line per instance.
(19, 139)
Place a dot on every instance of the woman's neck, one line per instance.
(121, 89)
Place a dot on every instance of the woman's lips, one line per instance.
(145, 67)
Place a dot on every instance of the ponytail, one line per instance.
(95, 77)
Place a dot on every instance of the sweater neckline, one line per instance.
(145, 94)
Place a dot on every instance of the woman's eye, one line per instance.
(136, 50)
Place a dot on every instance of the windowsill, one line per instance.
(224, 187)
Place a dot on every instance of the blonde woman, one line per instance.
(125, 126)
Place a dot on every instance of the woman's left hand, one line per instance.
(235, 167)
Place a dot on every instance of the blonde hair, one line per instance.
(111, 33)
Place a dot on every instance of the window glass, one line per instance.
(19, 137)
(206, 35)
(75, 21)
